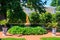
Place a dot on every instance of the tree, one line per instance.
(3, 8)
(16, 11)
(55, 3)
(58, 8)
(34, 18)
(37, 5)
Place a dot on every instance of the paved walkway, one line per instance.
(29, 37)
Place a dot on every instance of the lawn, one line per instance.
(51, 38)
(12, 38)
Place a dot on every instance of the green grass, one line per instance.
(12, 38)
(51, 38)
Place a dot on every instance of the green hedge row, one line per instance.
(27, 30)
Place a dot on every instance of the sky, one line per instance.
(48, 2)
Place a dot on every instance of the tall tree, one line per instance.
(37, 5)
(16, 11)
(3, 7)
(55, 3)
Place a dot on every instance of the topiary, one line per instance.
(27, 30)
(34, 18)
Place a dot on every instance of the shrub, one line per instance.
(45, 18)
(58, 16)
(42, 19)
(12, 39)
(48, 17)
(27, 30)
(3, 22)
(16, 30)
(16, 16)
(34, 18)
(38, 30)
(58, 8)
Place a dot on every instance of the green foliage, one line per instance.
(58, 16)
(16, 30)
(17, 17)
(45, 18)
(38, 30)
(54, 18)
(13, 39)
(58, 8)
(3, 22)
(48, 17)
(15, 13)
(51, 38)
(55, 3)
(37, 5)
(34, 18)
(42, 19)
(27, 30)
(53, 21)
(53, 24)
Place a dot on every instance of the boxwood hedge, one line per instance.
(27, 30)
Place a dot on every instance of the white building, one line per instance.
(49, 9)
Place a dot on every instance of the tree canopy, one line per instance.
(55, 3)
(37, 5)
(14, 10)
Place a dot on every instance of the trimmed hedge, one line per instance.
(12, 39)
(27, 30)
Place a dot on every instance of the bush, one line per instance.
(58, 8)
(48, 17)
(58, 16)
(16, 30)
(34, 18)
(45, 18)
(3, 22)
(12, 39)
(38, 30)
(16, 16)
(27, 30)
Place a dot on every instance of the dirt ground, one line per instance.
(29, 37)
